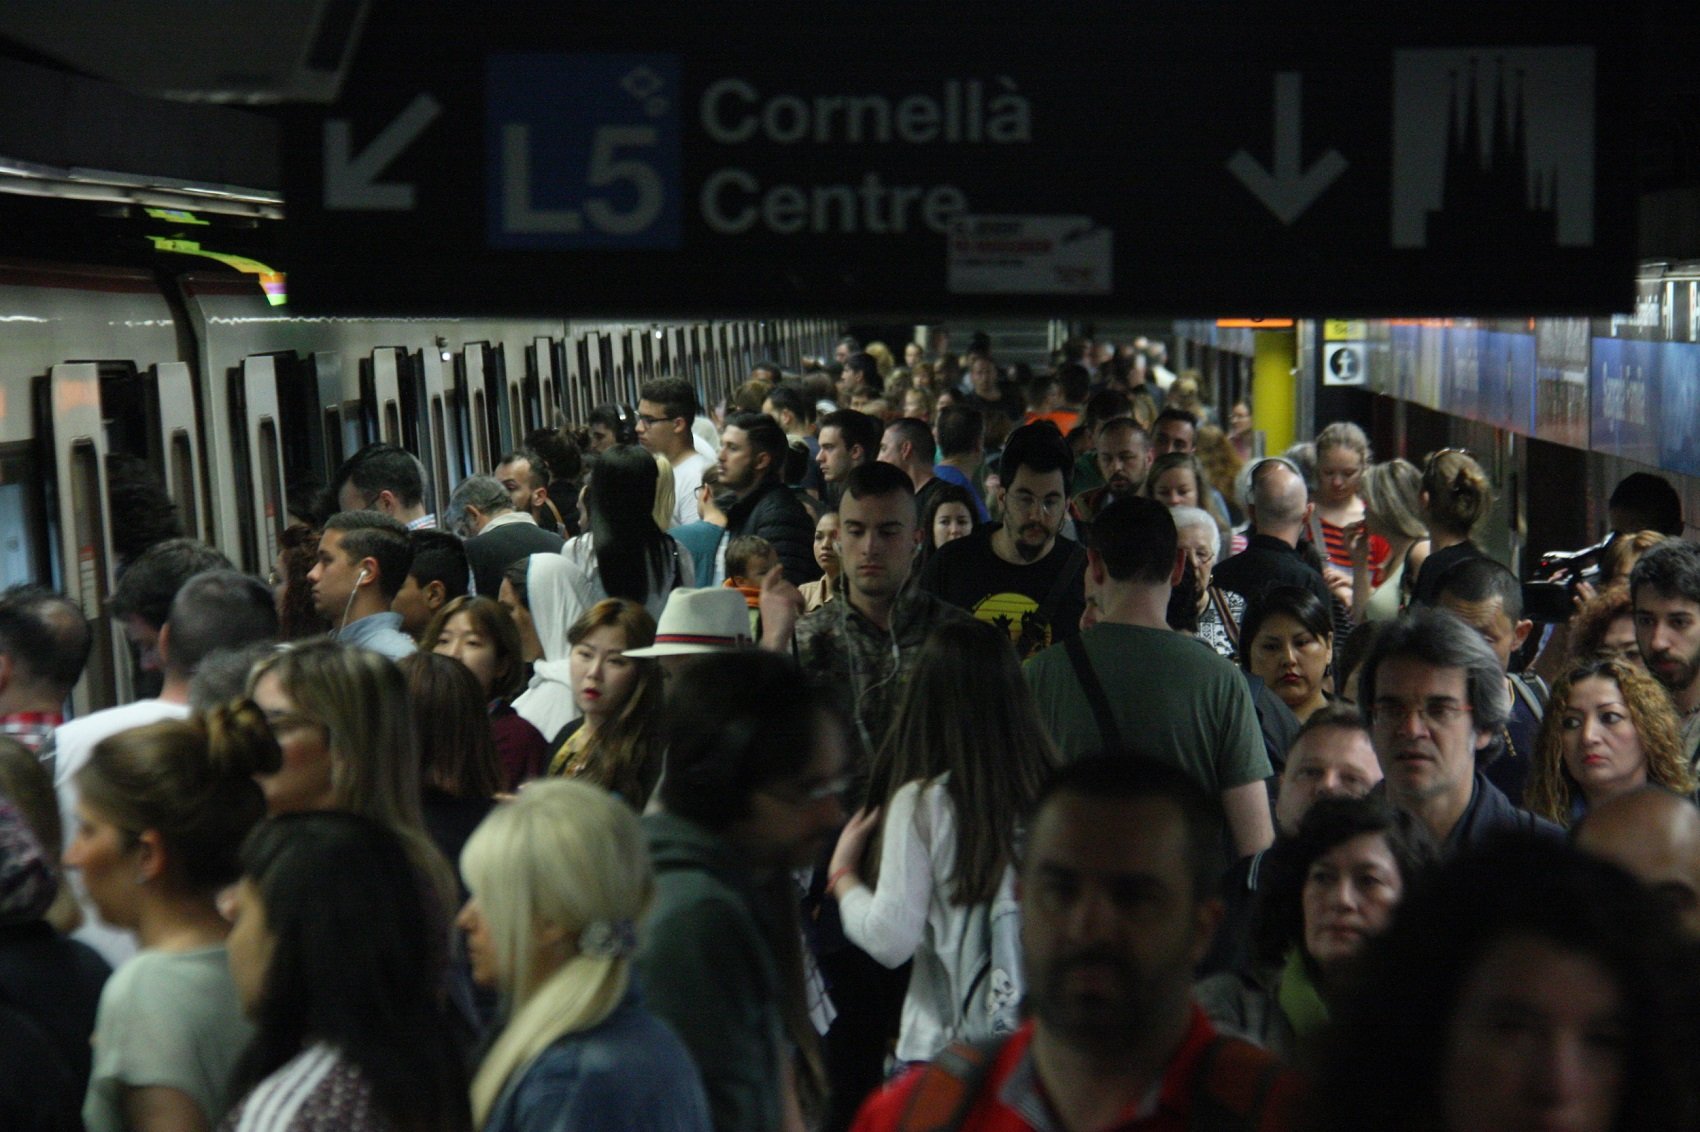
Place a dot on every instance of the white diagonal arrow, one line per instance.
(1288, 192)
(352, 182)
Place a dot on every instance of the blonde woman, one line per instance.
(559, 878)
(345, 726)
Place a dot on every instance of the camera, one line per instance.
(1549, 597)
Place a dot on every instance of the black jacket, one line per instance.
(771, 512)
(492, 552)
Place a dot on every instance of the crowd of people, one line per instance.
(909, 743)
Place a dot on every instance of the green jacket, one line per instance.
(706, 970)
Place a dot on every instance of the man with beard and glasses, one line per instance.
(1117, 909)
(1021, 575)
(1123, 452)
(1664, 591)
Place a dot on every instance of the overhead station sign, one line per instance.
(902, 160)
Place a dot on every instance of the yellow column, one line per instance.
(1274, 388)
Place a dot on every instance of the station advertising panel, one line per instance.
(1623, 394)
(1561, 381)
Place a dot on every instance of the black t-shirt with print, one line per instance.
(967, 572)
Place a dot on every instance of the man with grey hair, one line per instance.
(1279, 508)
(1433, 694)
(496, 534)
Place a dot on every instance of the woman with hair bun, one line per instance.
(559, 879)
(1455, 499)
(337, 956)
(161, 814)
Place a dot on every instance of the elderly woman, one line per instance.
(1608, 728)
(1219, 612)
(1352, 861)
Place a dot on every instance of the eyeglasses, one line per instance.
(811, 795)
(1433, 713)
(644, 421)
(1027, 503)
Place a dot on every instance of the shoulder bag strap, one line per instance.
(1220, 601)
(1109, 732)
(1060, 586)
(948, 1085)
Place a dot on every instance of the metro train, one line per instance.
(230, 398)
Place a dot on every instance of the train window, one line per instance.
(297, 390)
(369, 423)
(271, 490)
(237, 399)
(439, 450)
(88, 504)
(130, 413)
(335, 452)
(24, 530)
(181, 455)
(392, 424)
(610, 376)
(648, 372)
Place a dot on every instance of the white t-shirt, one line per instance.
(687, 477)
(73, 743)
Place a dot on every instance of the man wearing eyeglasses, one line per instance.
(1434, 694)
(666, 410)
(1021, 575)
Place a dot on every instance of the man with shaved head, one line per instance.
(1655, 836)
(1279, 508)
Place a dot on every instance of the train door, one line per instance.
(70, 424)
(258, 473)
(620, 366)
(520, 391)
(447, 462)
(338, 430)
(180, 446)
(542, 390)
(380, 397)
(574, 367)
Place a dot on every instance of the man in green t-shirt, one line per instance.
(1133, 685)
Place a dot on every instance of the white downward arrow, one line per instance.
(352, 182)
(1288, 192)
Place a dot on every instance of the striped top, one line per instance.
(318, 1090)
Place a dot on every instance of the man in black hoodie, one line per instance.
(752, 452)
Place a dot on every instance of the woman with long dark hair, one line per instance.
(481, 634)
(622, 553)
(338, 956)
(457, 750)
(960, 768)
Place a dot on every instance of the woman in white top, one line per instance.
(161, 814)
(1393, 511)
(967, 740)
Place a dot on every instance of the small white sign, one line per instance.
(1343, 363)
(1029, 255)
